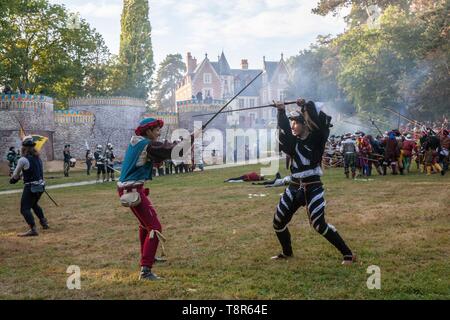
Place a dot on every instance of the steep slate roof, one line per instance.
(241, 76)
(270, 67)
(206, 60)
(222, 67)
(245, 76)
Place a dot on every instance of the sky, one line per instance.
(243, 29)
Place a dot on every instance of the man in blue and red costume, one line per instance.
(142, 152)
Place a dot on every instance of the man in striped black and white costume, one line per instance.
(304, 141)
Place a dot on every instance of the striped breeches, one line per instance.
(293, 198)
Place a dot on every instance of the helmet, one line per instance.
(99, 146)
(109, 146)
(28, 141)
(297, 117)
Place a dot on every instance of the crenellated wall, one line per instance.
(34, 112)
(170, 122)
(114, 121)
(74, 128)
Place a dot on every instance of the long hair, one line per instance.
(29, 151)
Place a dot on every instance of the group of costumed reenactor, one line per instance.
(303, 140)
(104, 161)
(303, 136)
(358, 153)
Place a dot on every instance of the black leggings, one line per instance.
(30, 201)
(101, 169)
(292, 199)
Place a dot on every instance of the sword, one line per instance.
(113, 169)
(51, 198)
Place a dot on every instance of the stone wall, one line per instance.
(35, 113)
(114, 121)
(74, 128)
(170, 122)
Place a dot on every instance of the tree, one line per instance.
(325, 7)
(170, 72)
(42, 53)
(136, 55)
(314, 73)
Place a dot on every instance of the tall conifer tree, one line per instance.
(136, 54)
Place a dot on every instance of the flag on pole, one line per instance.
(21, 133)
(39, 140)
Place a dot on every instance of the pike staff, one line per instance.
(215, 114)
(244, 109)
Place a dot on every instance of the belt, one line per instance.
(35, 182)
(300, 183)
(131, 188)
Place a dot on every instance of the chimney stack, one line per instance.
(191, 63)
(244, 64)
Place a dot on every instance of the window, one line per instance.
(251, 102)
(207, 78)
(252, 118)
(241, 103)
(281, 95)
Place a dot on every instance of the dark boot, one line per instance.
(284, 237)
(347, 175)
(30, 233)
(147, 274)
(394, 169)
(44, 224)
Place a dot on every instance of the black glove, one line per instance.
(13, 181)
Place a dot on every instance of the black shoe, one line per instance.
(30, 233)
(349, 260)
(44, 224)
(147, 274)
(281, 256)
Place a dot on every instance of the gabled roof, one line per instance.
(270, 67)
(244, 76)
(200, 66)
(222, 67)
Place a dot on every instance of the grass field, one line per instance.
(220, 241)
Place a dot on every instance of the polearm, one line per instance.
(403, 116)
(215, 114)
(409, 120)
(373, 123)
(243, 109)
